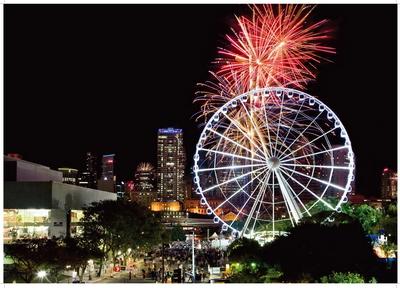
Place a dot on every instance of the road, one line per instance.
(122, 277)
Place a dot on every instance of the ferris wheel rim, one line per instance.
(284, 91)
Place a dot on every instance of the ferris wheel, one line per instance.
(269, 157)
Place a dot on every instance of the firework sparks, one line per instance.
(276, 46)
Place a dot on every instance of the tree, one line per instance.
(244, 250)
(177, 233)
(247, 267)
(340, 277)
(315, 250)
(51, 255)
(273, 275)
(78, 253)
(368, 216)
(118, 227)
(28, 256)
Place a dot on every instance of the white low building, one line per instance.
(38, 204)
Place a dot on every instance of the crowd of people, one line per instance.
(178, 255)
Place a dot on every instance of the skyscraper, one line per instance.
(170, 164)
(389, 184)
(144, 192)
(89, 175)
(107, 180)
(144, 177)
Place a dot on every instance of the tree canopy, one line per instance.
(120, 226)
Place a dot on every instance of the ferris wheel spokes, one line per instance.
(272, 159)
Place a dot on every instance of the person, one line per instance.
(144, 273)
(130, 275)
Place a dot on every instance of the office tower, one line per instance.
(120, 189)
(107, 180)
(144, 177)
(389, 184)
(170, 164)
(88, 177)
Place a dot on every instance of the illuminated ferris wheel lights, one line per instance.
(273, 160)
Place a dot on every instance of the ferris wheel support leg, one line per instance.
(288, 197)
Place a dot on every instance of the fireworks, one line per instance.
(276, 46)
(144, 167)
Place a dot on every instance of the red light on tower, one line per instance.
(386, 170)
(110, 161)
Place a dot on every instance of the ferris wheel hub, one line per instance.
(273, 163)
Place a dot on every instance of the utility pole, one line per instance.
(162, 264)
(193, 269)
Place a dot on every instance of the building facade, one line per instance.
(144, 191)
(389, 184)
(144, 177)
(38, 204)
(108, 179)
(88, 177)
(70, 175)
(170, 165)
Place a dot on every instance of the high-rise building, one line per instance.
(170, 164)
(144, 191)
(144, 177)
(389, 184)
(88, 177)
(107, 180)
(120, 189)
(70, 175)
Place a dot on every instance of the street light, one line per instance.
(41, 275)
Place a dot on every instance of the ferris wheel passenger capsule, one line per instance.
(321, 108)
(312, 101)
(234, 103)
(216, 220)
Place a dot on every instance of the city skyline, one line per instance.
(108, 63)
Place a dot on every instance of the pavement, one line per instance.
(121, 277)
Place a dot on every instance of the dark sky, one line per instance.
(104, 78)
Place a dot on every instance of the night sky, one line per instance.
(104, 78)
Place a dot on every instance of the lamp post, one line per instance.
(41, 275)
(193, 269)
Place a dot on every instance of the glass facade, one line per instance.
(170, 164)
(26, 223)
(34, 223)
